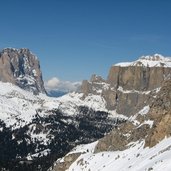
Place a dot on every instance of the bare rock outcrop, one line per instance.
(129, 86)
(138, 78)
(22, 68)
(68, 160)
(118, 139)
(159, 116)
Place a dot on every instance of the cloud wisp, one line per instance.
(55, 84)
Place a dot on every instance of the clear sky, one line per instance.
(76, 38)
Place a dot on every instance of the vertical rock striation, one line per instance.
(22, 68)
(130, 85)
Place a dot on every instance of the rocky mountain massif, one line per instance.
(129, 86)
(21, 67)
(127, 117)
(142, 142)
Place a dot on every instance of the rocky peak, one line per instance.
(130, 85)
(155, 60)
(96, 78)
(152, 126)
(141, 74)
(21, 67)
(155, 57)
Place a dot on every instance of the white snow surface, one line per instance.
(155, 60)
(18, 107)
(132, 91)
(145, 110)
(135, 158)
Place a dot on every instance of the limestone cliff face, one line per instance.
(138, 78)
(160, 113)
(130, 86)
(22, 68)
(151, 127)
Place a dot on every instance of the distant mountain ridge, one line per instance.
(21, 67)
(56, 93)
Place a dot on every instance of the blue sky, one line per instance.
(76, 38)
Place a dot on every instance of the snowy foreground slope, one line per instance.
(135, 158)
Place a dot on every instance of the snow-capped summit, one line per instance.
(155, 57)
(155, 60)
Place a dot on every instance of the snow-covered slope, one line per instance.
(36, 129)
(135, 158)
(18, 107)
(155, 60)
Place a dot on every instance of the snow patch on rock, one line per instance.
(155, 60)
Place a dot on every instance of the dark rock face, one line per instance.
(129, 88)
(22, 68)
